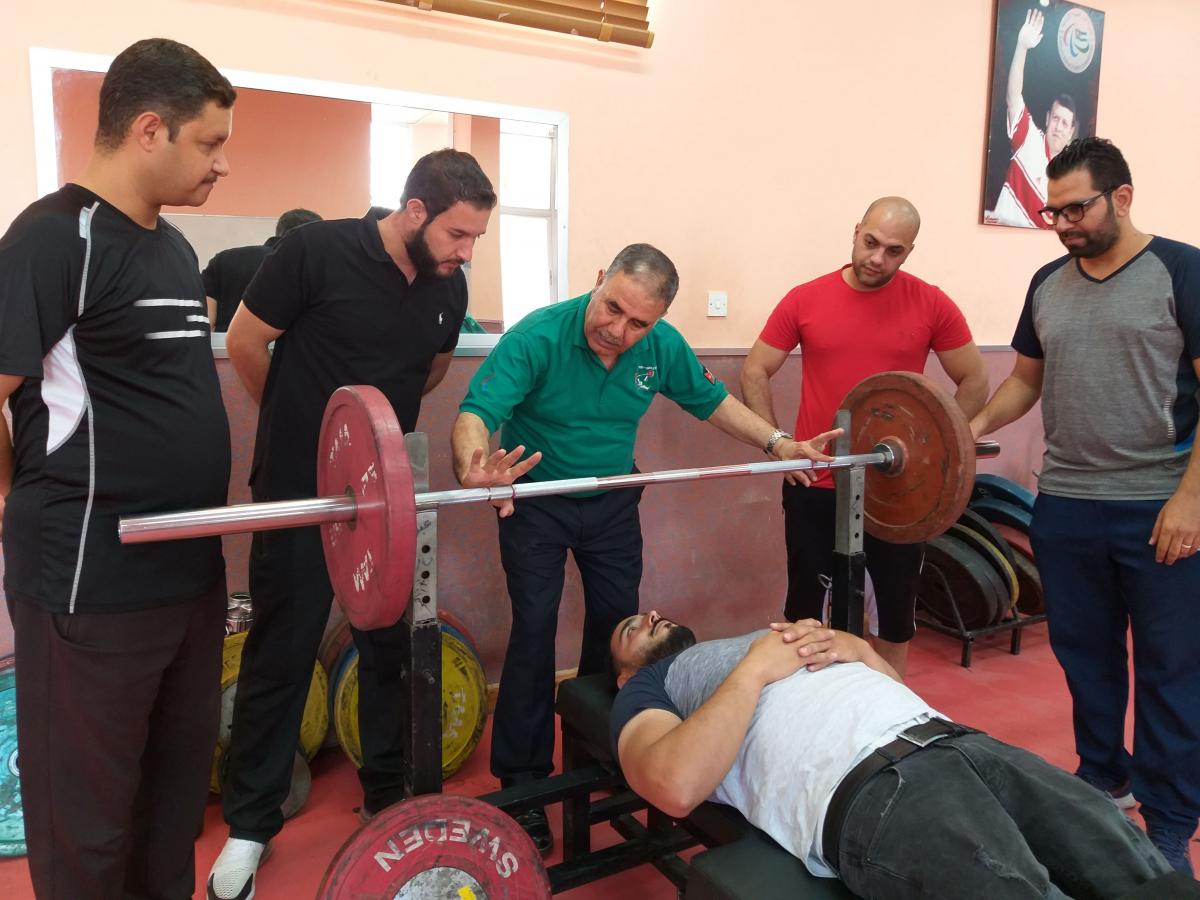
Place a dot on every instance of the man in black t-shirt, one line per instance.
(106, 364)
(229, 271)
(379, 301)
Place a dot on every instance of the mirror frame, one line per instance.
(44, 60)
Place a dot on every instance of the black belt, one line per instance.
(908, 741)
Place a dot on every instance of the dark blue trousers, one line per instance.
(1101, 579)
(604, 534)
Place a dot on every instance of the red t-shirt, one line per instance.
(845, 335)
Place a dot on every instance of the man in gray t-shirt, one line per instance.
(1109, 341)
(781, 726)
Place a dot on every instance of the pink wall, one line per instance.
(745, 145)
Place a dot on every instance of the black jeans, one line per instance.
(970, 816)
(116, 723)
(808, 521)
(291, 595)
(605, 536)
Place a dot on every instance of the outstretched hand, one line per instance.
(1030, 34)
(813, 448)
(502, 467)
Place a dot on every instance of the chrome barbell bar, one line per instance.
(247, 517)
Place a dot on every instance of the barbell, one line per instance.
(908, 432)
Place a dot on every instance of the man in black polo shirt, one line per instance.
(108, 371)
(377, 301)
(229, 271)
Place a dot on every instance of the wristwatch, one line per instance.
(776, 436)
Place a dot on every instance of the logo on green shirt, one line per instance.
(644, 377)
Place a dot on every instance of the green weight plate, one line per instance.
(12, 825)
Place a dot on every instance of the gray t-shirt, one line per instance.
(1119, 395)
(807, 732)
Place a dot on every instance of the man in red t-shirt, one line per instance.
(866, 318)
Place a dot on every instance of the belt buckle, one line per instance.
(921, 742)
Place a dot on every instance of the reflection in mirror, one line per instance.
(337, 149)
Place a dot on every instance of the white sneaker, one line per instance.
(232, 875)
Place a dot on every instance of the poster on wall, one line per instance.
(1045, 82)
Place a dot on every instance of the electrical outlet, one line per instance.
(718, 303)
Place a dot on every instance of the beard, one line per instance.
(1096, 243)
(677, 639)
(421, 256)
(868, 280)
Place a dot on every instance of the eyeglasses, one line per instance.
(1072, 212)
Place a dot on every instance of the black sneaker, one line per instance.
(537, 826)
(1173, 845)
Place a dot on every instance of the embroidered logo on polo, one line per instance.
(645, 377)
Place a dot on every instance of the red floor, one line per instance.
(1021, 699)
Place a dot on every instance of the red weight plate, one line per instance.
(930, 489)
(371, 559)
(437, 846)
(460, 626)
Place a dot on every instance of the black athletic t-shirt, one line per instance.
(348, 316)
(120, 412)
(226, 276)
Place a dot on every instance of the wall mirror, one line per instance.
(336, 149)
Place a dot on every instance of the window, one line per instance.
(528, 251)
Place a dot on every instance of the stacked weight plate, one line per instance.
(313, 727)
(464, 692)
(982, 568)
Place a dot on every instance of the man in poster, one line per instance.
(1024, 190)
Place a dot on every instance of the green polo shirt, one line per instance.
(550, 392)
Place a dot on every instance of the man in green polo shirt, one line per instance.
(570, 382)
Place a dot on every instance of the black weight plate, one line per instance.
(976, 522)
(971, 582)
(995, 559)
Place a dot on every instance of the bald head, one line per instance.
(882, 242)
(895, 211)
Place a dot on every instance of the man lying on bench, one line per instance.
(814, 739)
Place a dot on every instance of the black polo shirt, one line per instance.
(348, 316)
(228, 273)
(120, 412)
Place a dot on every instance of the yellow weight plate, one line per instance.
(464, 705)
(345, 709)
(231, 657)
(313, 725)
